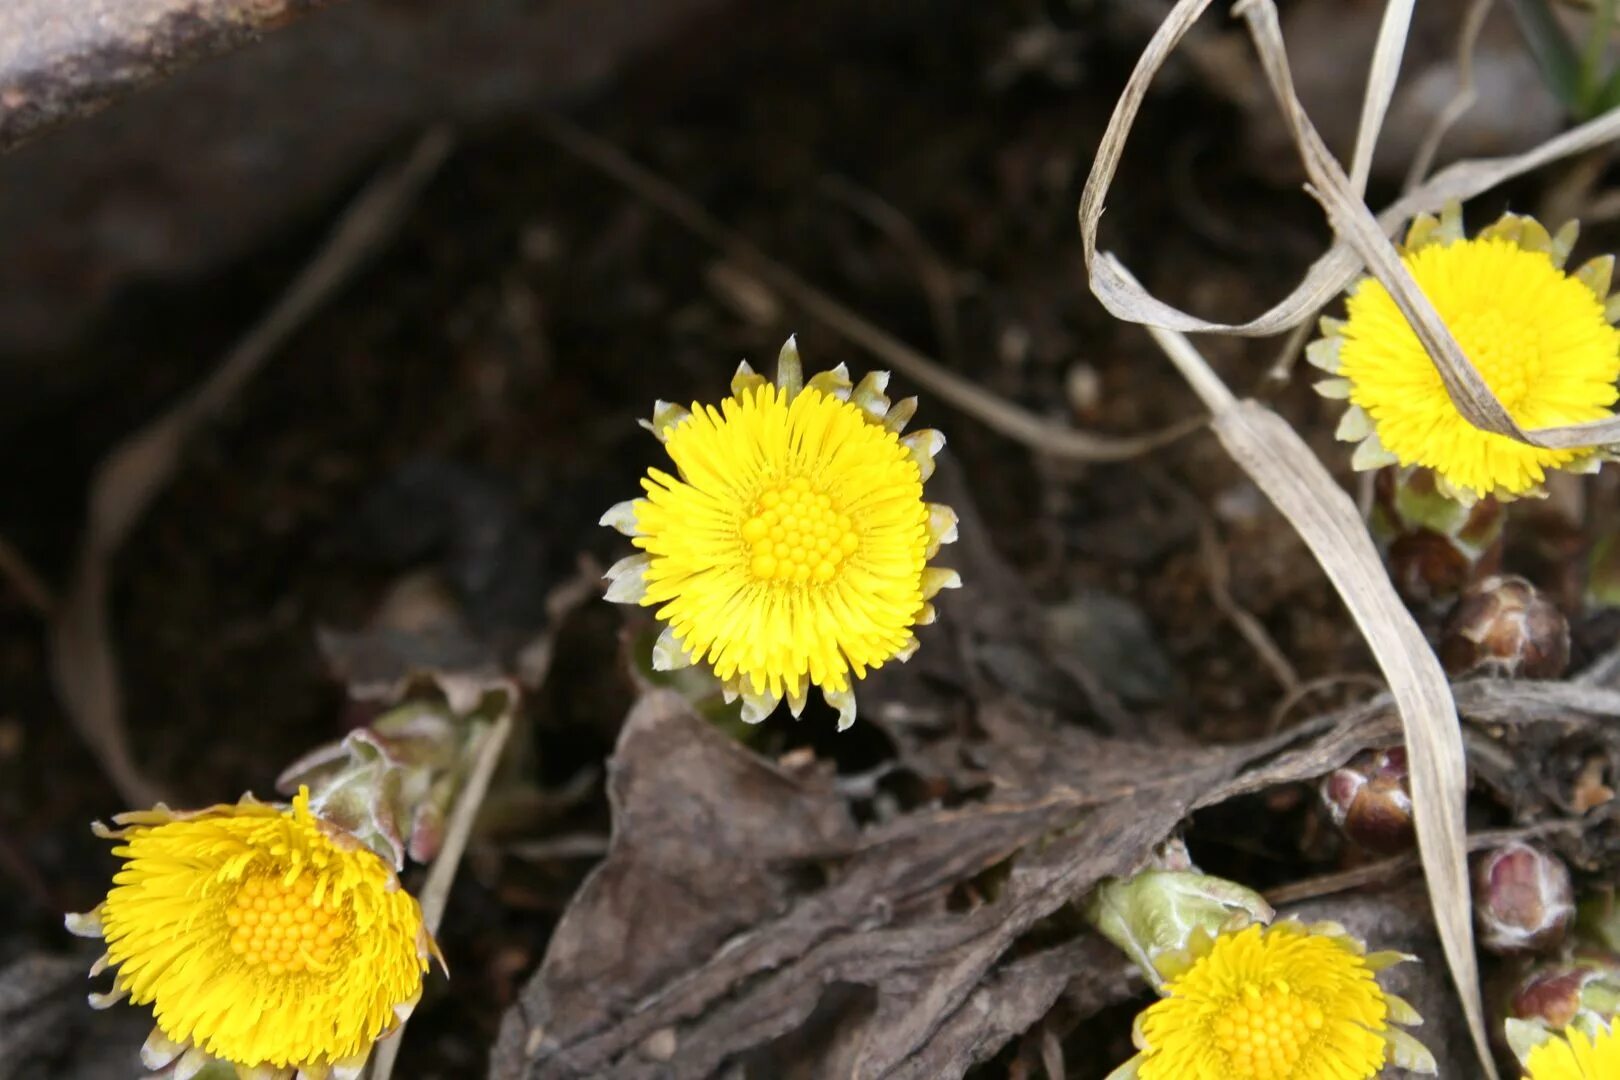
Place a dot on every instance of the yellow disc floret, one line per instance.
(738, 567)
(798, 535)
(1265, 1032)
(1269, 1004)
(1576, 1056)
(278, 926)
(1540, 338)
(791, 547)
(261, 935)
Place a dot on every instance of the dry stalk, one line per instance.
(1381, 76)
(1282, 466)
(442, 875)
(1281, 463)
(994, 412)
(84, 660)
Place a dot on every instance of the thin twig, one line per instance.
(1384, 871)
(84, 661)
(1282, 368)
(1313, 686)
(1217, 578)
(934, 275)
(1467, 41)
(994, 412)
(558, 848)
(26, 580)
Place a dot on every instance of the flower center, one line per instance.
(797, 535)
(1506, 351)
(278, 926)
(1265, 1032)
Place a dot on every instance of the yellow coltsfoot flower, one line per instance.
(1542, 339)
(791, 546)
(1284, 1002)
(1576, 1055)
(261, 937)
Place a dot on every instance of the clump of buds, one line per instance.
(1370, 800)
(1503, 626)
(1433, 544)
(1523, 899)
(1156, 915)
(390, 784)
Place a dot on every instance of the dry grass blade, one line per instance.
(1280, 463)
(994, 412)
(1381, 76)
(84, 663)
(1354, 224)
(1125, 298)
(1119, 292)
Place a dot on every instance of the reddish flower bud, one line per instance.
(1523, 899)
(1371, 801)
(1433, 544)
(1503, 626)
(1585, 987)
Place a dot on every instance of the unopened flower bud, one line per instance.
(1434, 544)
(1557, 994)
(1155, 915)
(1503, 626)
(1523, 899)
(389, 784)
(1580, 992)
(1370, 799)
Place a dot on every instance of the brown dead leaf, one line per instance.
(706, 838)
(38, 996)
(695, 942)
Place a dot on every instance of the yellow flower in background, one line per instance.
(791, 545)
(1576, 1056)
(1541, 339)
(260, 936)
(1285, 1002)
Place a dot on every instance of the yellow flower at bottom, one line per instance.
(1540, 338)
(1576, 1056)
(261, 937)
(1280, 1003)
(792, 545)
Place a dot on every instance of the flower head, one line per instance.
(260, 937)
(791, 545)
(1285, 1002)
(1540, 338)
(1575, 1055)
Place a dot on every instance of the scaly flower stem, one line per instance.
(436, 890)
